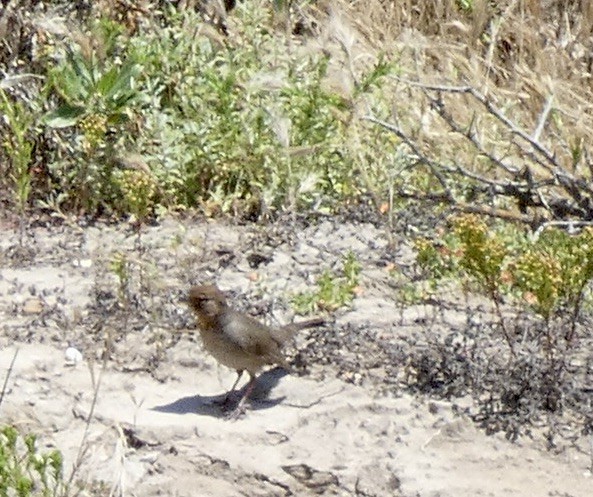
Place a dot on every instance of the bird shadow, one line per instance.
(213, 405)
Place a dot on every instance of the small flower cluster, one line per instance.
(538, 276)
(483, 253)
(94, 127)
(139, 191)
(548, 274)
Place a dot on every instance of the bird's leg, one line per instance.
(240, 409)
(225, 401)
(239, 375)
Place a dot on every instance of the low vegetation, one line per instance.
(530, 371)
(25, 471)
(334, 289)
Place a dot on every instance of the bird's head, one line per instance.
(207, 301)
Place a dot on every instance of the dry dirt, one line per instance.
(328, 429)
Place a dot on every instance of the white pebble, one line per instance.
(73, 356)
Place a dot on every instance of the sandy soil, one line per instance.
(329, 429)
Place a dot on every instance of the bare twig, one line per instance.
(8, 373)
(543, 118)
(560, 193)
(511, 126)
(434, 167)
(572, 225)
(506, 215)
(439, 107)
(96, 382)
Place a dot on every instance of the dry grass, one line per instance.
(530, 60)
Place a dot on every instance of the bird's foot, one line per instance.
(234, 408)
(236, 413)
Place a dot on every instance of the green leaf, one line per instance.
(82, 68)
(122, 84)
(117, 118)
(107, 81)
(69, 85)
(64, 116)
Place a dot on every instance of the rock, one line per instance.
(32, 306)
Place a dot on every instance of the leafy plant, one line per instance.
(568, 261)
(26, 472)
(95, 95)
(481, 253)
(537, 274)
(91, 88)
(435, 260)
(18, 147)
(246, 125)
(139, 190)
(120, 266)
(333, 290)
(550, 274)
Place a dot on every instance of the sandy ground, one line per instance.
(155, 428)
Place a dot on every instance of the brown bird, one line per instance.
(237, 340)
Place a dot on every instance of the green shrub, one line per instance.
(95, 92)
(26, 472)
(241, 121)
(251, 119)
(549, 273)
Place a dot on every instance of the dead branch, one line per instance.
(544, 193)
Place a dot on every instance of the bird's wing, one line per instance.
(251, 336)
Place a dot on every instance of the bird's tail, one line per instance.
(310, 323)
(285, 333)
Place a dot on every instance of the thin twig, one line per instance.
(570, 224)
(8, 373)
(494, 212)
(434, 167)
(439, 107)
(514, 129)
(543, 118)
(83, 448)
(526, 190)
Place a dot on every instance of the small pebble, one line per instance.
(73, 356)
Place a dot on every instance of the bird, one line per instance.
(239, 341)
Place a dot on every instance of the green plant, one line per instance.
(409, 294)
(120, 266)
(550, 274)
(374, 76)
(435, 260)
(90, 87)
(139, 191)
(481, 253)
(333, 290)
(250, 124)
(571, 261)
(18, 147)
(26, 472)
(537, 274)
(95, 93)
